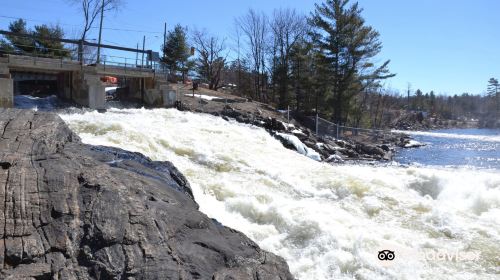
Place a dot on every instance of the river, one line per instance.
(471, 148)
(329, 221)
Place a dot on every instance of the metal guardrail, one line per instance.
(34, 58)
(125, 67)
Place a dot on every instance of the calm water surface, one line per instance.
(475, 148)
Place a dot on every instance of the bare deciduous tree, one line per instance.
(210, 60)
(237, 39)
(254, 27)
(287, 27)
(90, 9)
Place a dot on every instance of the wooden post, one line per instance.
(317, 119)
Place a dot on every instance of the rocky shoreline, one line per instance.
(327, 149)
(76, 211)
(417, 121)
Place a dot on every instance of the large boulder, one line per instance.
(75, 211)
(368, 149)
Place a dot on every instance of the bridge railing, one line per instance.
(34, 61)
(53, 57)
(125, 63)
(32, 55)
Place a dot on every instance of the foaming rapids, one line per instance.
(328, 222)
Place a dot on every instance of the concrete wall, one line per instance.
(134, 93)
(6, 88)
(161, 95)
(79, 92)
(64, 85)
(143, 90)
(6, 92)
(96, 92)
(84, 89)
(169, 96)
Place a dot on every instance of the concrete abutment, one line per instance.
(81, 84)
(6, 88)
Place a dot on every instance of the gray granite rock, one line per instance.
(74, 211)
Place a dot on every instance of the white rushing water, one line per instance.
(328, 222)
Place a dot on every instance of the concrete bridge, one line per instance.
(82, 83)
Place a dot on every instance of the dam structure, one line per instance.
(81, 81)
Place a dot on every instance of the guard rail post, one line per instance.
(317, 119)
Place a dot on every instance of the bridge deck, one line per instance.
(41, 64)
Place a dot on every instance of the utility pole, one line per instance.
(165, 35)
(164, 44)
(143, 48)
(137, 55)
(100, 34)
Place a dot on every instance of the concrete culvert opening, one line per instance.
(35, 90)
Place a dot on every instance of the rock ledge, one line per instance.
(74, 211)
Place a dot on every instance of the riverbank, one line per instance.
(418, 121)
(77, 211)
(292, 133)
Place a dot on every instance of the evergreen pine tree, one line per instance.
(176, 51)
(43, 42)
(20, 44)
(347, 46)
(494, 92)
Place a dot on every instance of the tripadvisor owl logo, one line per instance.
(386, 255)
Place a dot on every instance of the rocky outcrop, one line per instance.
(420, 121)
(411, 121)
(362, 148)
(330, 149)
(74, 211)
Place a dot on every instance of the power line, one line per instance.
(76, 42)
(73, 25)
